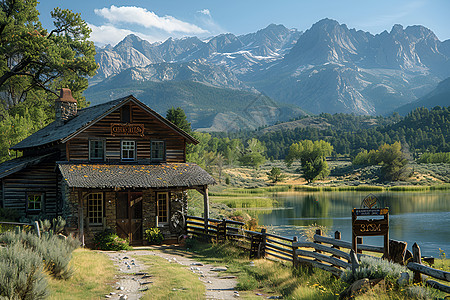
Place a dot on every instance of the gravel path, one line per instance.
(132, 279)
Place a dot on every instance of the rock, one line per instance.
(123, 297)
(404, 279)
(125, 257)
(275, 297)
(112, 293)
(107, 296)
(209, 281)
(197, 264)
(357, 287)
(120, 288)
(218, 269)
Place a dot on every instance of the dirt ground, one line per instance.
(133, 281)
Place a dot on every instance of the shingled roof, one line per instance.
(14, 165)
(134, 176)
(56, 132)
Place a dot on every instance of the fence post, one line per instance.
(318, 232)
(417, 259)
(294, 253)
(337, 236)
(262, 249)
(359, 241)
(36, 227)
(354, 261)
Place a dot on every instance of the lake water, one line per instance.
(422, 217)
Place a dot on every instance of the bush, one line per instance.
(7, 214)
(55, 251)
(154, 236)
(372, 268)
(109, 240)
(21, 275)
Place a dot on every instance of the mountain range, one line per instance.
(327, 68)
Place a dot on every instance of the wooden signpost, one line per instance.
(370, 227)
(127, 129)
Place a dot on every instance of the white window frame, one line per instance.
(35, 195)
(95, 208)
(133, 150)
(160, 223)
(104, 149)
(163, 158)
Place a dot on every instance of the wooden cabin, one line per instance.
(118, 164)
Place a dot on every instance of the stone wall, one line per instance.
(177, 202)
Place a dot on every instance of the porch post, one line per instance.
(206, 207)
(81, 217)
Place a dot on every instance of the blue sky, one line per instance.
(157, 20)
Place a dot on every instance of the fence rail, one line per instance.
(418, 268)
(325, 253)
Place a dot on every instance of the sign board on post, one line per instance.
(370, 227)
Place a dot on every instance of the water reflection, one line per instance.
(414, 217)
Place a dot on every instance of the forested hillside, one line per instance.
(421, 130)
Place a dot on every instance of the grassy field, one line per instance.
(93, 277)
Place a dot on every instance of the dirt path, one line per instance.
(133, 280)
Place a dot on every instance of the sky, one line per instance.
(157, 20)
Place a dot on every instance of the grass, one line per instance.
(92, 279)
(171, 280)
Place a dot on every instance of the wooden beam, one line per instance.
(81, 216)
(206, 207)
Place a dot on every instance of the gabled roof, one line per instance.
(56, 132)
(134, 176)
(15, 165)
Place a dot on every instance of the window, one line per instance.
(96, 150)
(95, 209)
(128, 150)
(158, 150)
(125, 114)
(162, 208)
(34, 202)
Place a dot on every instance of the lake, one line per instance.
(422, 217)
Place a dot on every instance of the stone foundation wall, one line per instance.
(177, 202)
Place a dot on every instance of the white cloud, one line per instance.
(205, 12)
(108, 34)
(147, 19)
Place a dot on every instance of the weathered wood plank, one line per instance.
(322, 257)
(439, 274)
(347, 245)
(438, 285)
(323, 248)
(322, 266)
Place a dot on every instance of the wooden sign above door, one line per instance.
(127, 129)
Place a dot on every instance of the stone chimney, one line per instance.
(65, 106)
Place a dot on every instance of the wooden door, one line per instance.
(129, 216)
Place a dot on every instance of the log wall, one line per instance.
(78, 147)
(39, 178)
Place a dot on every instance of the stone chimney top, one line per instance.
(65, 106)
(66, 96)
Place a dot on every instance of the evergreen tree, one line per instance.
(178, 117)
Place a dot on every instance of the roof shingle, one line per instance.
(134, 176)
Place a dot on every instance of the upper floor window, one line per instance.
(125, 114)
(95, 208)
(158, 150)
(128, 150)
(35, 202)
(96, 150)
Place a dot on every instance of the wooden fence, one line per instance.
(418, 268)
(17, 224)
(324, 252)
(330, 254)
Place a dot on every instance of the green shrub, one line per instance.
(372, 268)
(154, 236)
(54, 227)
(21, 275)
(7, 214)
(109, 240)
(55, 251)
